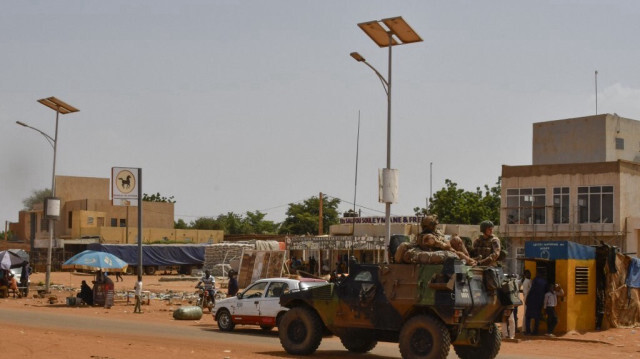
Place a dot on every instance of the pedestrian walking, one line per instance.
(535, 302)
(138, 294)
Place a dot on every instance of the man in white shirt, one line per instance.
(209, 282)
(138, 294)
(550, 303)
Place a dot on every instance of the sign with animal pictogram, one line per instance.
(124, 182)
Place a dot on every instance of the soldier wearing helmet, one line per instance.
(487, 246)
(431, 239)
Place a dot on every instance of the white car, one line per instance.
(259, 303)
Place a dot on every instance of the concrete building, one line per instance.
(583, 186)
(87, 215)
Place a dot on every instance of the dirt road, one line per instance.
(33, 328)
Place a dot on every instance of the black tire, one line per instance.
(358, 341)
(424, 337)
(150, 270)
(265, 327)
(130, 270)
(300, 331)
(225, 322)
(488, 346)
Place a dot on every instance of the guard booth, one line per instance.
(573, 266)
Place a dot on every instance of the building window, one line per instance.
(561, 205)
(619, 143)
(123, 222)
(89, 220)
(526, 206)
(70, 219)
(582, 280)
(595, 204)
(100, 221)
(114, 222)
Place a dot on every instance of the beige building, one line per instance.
(583, 186)
(87, 212)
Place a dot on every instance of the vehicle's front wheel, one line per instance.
(225, 323)
(487, 347)
(300, 331)
(358, 341)
(424, 337)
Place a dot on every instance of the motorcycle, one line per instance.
(205, 300)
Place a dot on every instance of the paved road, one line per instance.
(330, 347)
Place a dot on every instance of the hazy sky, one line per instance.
(252, 105)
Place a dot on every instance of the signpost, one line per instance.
(126, 190)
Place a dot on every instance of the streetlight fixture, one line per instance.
(61, 108)
(394, 32)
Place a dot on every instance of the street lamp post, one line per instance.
(394, 32)
(61, 108)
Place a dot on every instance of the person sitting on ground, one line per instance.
(86, 294)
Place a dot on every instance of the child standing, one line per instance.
(550, 302)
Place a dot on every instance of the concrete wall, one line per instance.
(586, 139)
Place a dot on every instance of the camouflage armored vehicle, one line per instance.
(425, 308)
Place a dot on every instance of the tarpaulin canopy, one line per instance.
(10, 260)
(155, 254)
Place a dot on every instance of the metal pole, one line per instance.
(51, 222)
(139, 224)
(387, 209)
(596, 75)
(355, 190)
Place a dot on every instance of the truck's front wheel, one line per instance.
(424, 337)
(300, 331)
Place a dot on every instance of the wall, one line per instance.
(576, 140)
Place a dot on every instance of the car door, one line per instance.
(247, 309)
(270, 304)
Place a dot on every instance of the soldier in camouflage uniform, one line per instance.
(487, 246)
(431, 239)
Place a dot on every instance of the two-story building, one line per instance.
(583, 186)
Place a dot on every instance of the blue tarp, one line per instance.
(633, 277)
(155, 255)
(554, 250)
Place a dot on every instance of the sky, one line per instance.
(236, 106)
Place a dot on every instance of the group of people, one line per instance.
(540, 298)
(8, 282)
(433, 247)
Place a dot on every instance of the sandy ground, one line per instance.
(171, 292)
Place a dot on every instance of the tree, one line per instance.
(205, 223)
(455, 205)
(36, 197)
(157, 198)
(302, 218)
(180, 224)
(258, 225)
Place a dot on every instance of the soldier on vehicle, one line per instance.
(487, 246)
(431, 239)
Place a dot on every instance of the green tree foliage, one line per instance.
(455, 205)
(157, 198)
(180, 224)
(36, 197)
(233, 223)
(302, 218)
(205, 223)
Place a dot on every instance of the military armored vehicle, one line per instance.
(425, 308)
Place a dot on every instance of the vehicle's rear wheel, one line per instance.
(225, 323)
(358, 341)
(130, 270)
(150, 270)
(487, 347)
(300, 331)
(424, 337)
(265, 327)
